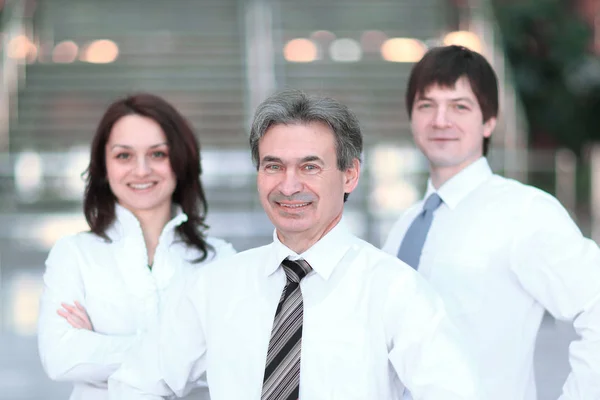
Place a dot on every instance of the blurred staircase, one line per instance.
(195, 53)
(186, 50)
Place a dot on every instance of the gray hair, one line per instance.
(290, 107)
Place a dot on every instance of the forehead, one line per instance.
(293, 141)
(136, 129)
(461, 88)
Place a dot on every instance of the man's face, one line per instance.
(447, 125)
(299, 184)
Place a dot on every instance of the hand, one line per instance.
(76, 316)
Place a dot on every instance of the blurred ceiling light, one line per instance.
(463, 38)
(403, 50)
(371, 41)
(100, 52)
(32, 54)
(345, 50)
(28, 175)
(65, 52)
(323, 36)
(20, 47)
(300, 51)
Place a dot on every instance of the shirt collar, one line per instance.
(126, 223)
(322, 256)
(461, 184)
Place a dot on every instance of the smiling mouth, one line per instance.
(141, 186)
(292, 206)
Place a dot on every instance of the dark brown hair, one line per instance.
(184, 156)
(443, 66)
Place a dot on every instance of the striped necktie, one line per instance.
(282, 372)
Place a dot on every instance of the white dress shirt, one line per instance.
(499, 253)
(122, 296)
(370, 322)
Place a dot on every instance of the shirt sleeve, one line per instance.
(69, 354)
(426, 351)
(561, 269)
(170, 359)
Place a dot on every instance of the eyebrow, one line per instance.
(454, 100)
(131, 148)
(266, 159)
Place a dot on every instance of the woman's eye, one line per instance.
(159, 154)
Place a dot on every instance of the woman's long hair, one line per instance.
(184, 156)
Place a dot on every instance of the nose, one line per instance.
(440, 119)
(142, 167)
(291, 183)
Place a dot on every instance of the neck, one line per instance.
(303, 241)
(152, 223)
(442, 174)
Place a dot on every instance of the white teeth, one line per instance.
(141, 186)
(294, 205)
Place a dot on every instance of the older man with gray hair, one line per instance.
(317, 313)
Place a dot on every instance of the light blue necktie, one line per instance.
(412, 244)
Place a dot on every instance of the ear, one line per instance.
(351, 176)
(489, 126)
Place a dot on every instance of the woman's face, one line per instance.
(137, 165)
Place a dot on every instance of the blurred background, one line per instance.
(63, 61)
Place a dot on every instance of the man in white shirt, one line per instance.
(318, 313)
(499, 252)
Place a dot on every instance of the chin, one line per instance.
(143, 206)
(442, 162)
(290, 227)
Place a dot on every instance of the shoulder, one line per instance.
(515, 189)
(216, 250)
(531, 208)
(220, 247)
(390, 275)
(232, 262)
(78, 242)
(72, 253)
(526, 196)
(380, 260)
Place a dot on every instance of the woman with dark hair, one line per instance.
(146, 208)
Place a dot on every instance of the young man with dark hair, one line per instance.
(499, 252)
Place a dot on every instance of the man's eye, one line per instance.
(311, 168)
